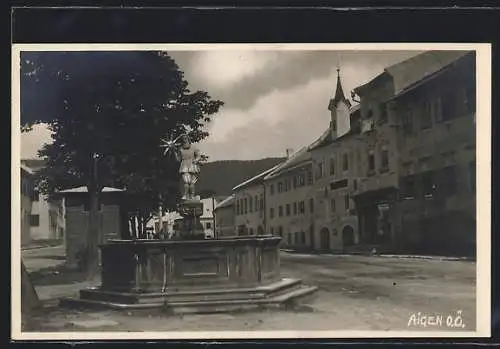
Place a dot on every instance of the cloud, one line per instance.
(223, 69)
(283, 118)
(273, 99)
(241, 78)
(34, 140)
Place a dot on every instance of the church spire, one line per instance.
(339, 93)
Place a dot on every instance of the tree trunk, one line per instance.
(92, 248)
(29, 297)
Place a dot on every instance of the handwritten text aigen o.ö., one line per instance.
(436, 320)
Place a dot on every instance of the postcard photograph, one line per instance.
(251, 191)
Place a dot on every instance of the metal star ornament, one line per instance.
(168, 144)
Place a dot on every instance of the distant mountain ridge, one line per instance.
(222, 176)
(218, 177)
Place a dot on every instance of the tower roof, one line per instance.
(339, 94)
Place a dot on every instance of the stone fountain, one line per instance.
(191, 274)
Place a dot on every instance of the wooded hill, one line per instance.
(221, 176)
(217, 176)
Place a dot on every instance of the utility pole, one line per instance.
(160, 217)
(216, 234)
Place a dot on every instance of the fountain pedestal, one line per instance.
(191, 227)
(192, 276)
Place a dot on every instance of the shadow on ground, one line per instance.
(59, 275)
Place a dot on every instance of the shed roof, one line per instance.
(83, 189)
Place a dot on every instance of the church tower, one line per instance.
(339, 108)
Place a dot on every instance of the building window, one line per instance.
(280, 187)
(272, 231)
(302, 207)
(355, 184)
(245, 205)
(250, 204)
(384, 159)
(332, 205)
(289, 238)
(426, 117)
(295, 210)
(383, 113)
(408, 187)
(302, 180)
(339, 184)
(295, 182)
(472, 176)
(303, 237)
(288, 210)
(408, 122)
(428, 184)
(371, 162)
(286, 188)
(345, 162)
(34, 220)
(311, 205)
(321, 169)
(448, 105)
(332, 166)
(280, 231)
(209, 225)
(271, 189)
(436, 110)
(296, 238)
(256, 200)
(271, 212)
(36, 195)
(280, 211)
(261, 202)
(237, 207)
(309, 177)
(449, 181)
(346, 202)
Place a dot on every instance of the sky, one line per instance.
(274, 100)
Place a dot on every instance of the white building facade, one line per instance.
(288, 209)
(48, 214)
(250, 207)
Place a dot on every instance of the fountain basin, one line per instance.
(192, 275)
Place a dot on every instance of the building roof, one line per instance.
(339, 94)
(414, 69)
(429, 77)
(255, 179)
(83, 189)
(327, 138)
(298, 158)
(34, 164)
(226, 202)
(27, 169)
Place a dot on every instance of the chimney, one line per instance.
(289, 152)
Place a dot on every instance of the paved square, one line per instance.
(355, 293)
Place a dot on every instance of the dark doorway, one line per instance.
(348, 236)
(260, 231)
(311, 236)
(324, 239)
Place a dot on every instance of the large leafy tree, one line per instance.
(108, 112)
